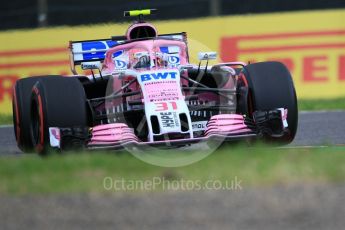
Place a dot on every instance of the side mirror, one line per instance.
(203, 56)
(91, 65)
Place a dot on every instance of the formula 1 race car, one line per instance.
(142, 90)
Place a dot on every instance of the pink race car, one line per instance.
(142, 90)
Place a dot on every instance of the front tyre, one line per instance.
(56, 102)
(21, 111)
(270, 87)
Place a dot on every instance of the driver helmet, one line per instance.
(141, 59)
(161, 60)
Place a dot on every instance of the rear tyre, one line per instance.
(270, 87)
(56, 102)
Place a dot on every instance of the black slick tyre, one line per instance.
(270, 87)
(56, 102)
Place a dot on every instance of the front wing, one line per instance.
(265, 124)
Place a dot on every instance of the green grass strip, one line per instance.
(321, 104)
(85, 173)
(5, 119)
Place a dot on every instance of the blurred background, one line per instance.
(307, 36)
(37, 13)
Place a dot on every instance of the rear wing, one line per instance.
(94, 50)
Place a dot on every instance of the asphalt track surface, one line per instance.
(292, 206)
(314, 129)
